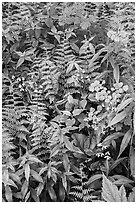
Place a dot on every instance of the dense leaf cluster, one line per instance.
(68, 101)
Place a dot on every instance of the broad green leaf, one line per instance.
(70, 99)
(117, 118)
(28, 58)
(125, 142)
(36, 176)
(27, 171)
(11, 183)
(52, 193)
(132, 161)
(40, 188)
(92, 49)
(122, 193)
(111, 137)
(94, 178)
(64, 181)
(24, 188)
(68, 144)
(55, 150)
(66, 113)
(43, 170)
(70, 122)
(83, 103)
(122, 105)
(117, 162)
(34, 194)
(110, 191)
(8, 193)
(15, 177)
(27, 196)
(91, 97)
(77, 67)
(37, 33)
(5, 176)
(74, 47)
(34, 159)
(53, 29)
(20, 62)
(61, 191)
(96, 56)
(66, 162)
(123, 181)
(70, 67)
(77, 111)
(115, 70)
(58, 38)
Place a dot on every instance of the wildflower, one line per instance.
(125, 88)
(107, 157)
(99, 154)
(104, 147)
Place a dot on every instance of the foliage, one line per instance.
(68, 101)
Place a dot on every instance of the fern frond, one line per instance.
(39, 140)
(81, 192)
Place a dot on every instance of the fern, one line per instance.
(81, 192)
(39, 141)
(63, 55)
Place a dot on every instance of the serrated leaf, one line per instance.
(110, 191)
(131, 197)
(77, 111)
(122, 193)
(122, 105)
(27, 171)
(125, 142)
(117, 118)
